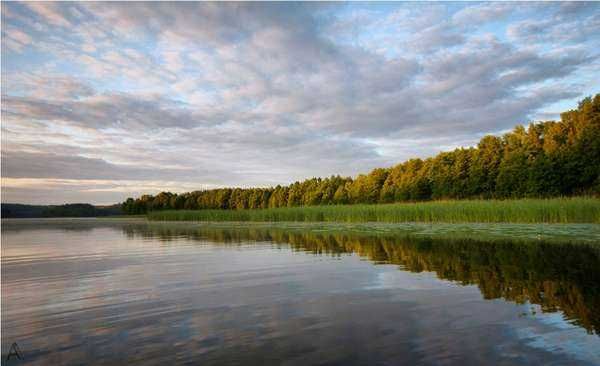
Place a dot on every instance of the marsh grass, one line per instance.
(556, 210)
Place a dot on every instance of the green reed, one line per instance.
(555, 210)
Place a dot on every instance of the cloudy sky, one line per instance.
(101, 101)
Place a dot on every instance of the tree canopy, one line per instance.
(544, 159)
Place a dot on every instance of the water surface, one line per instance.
(130, 292)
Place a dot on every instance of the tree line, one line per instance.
(15, 210)
(545, 159)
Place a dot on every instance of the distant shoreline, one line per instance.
(20, 211)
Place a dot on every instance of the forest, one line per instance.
(544, 159)
(16, 210)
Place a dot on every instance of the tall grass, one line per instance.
(556, 210)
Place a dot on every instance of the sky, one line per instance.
(104, 101)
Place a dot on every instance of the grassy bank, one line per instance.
(556, 210)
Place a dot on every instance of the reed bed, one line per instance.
(555, 210)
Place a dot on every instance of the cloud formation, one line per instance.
(240, 94)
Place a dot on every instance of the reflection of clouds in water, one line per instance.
(391, 278)
(556, 320)
(231, 296)
(560, 338)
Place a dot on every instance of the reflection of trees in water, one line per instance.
(556, 276)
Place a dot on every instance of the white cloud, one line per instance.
(226, 94)
(49, 11)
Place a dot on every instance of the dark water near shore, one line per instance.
(127, 292)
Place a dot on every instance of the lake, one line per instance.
(109, 291)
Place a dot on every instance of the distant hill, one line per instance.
(16, 210)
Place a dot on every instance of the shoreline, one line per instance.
(586, 233)
(552, 210)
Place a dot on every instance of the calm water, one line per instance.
(117, 292)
